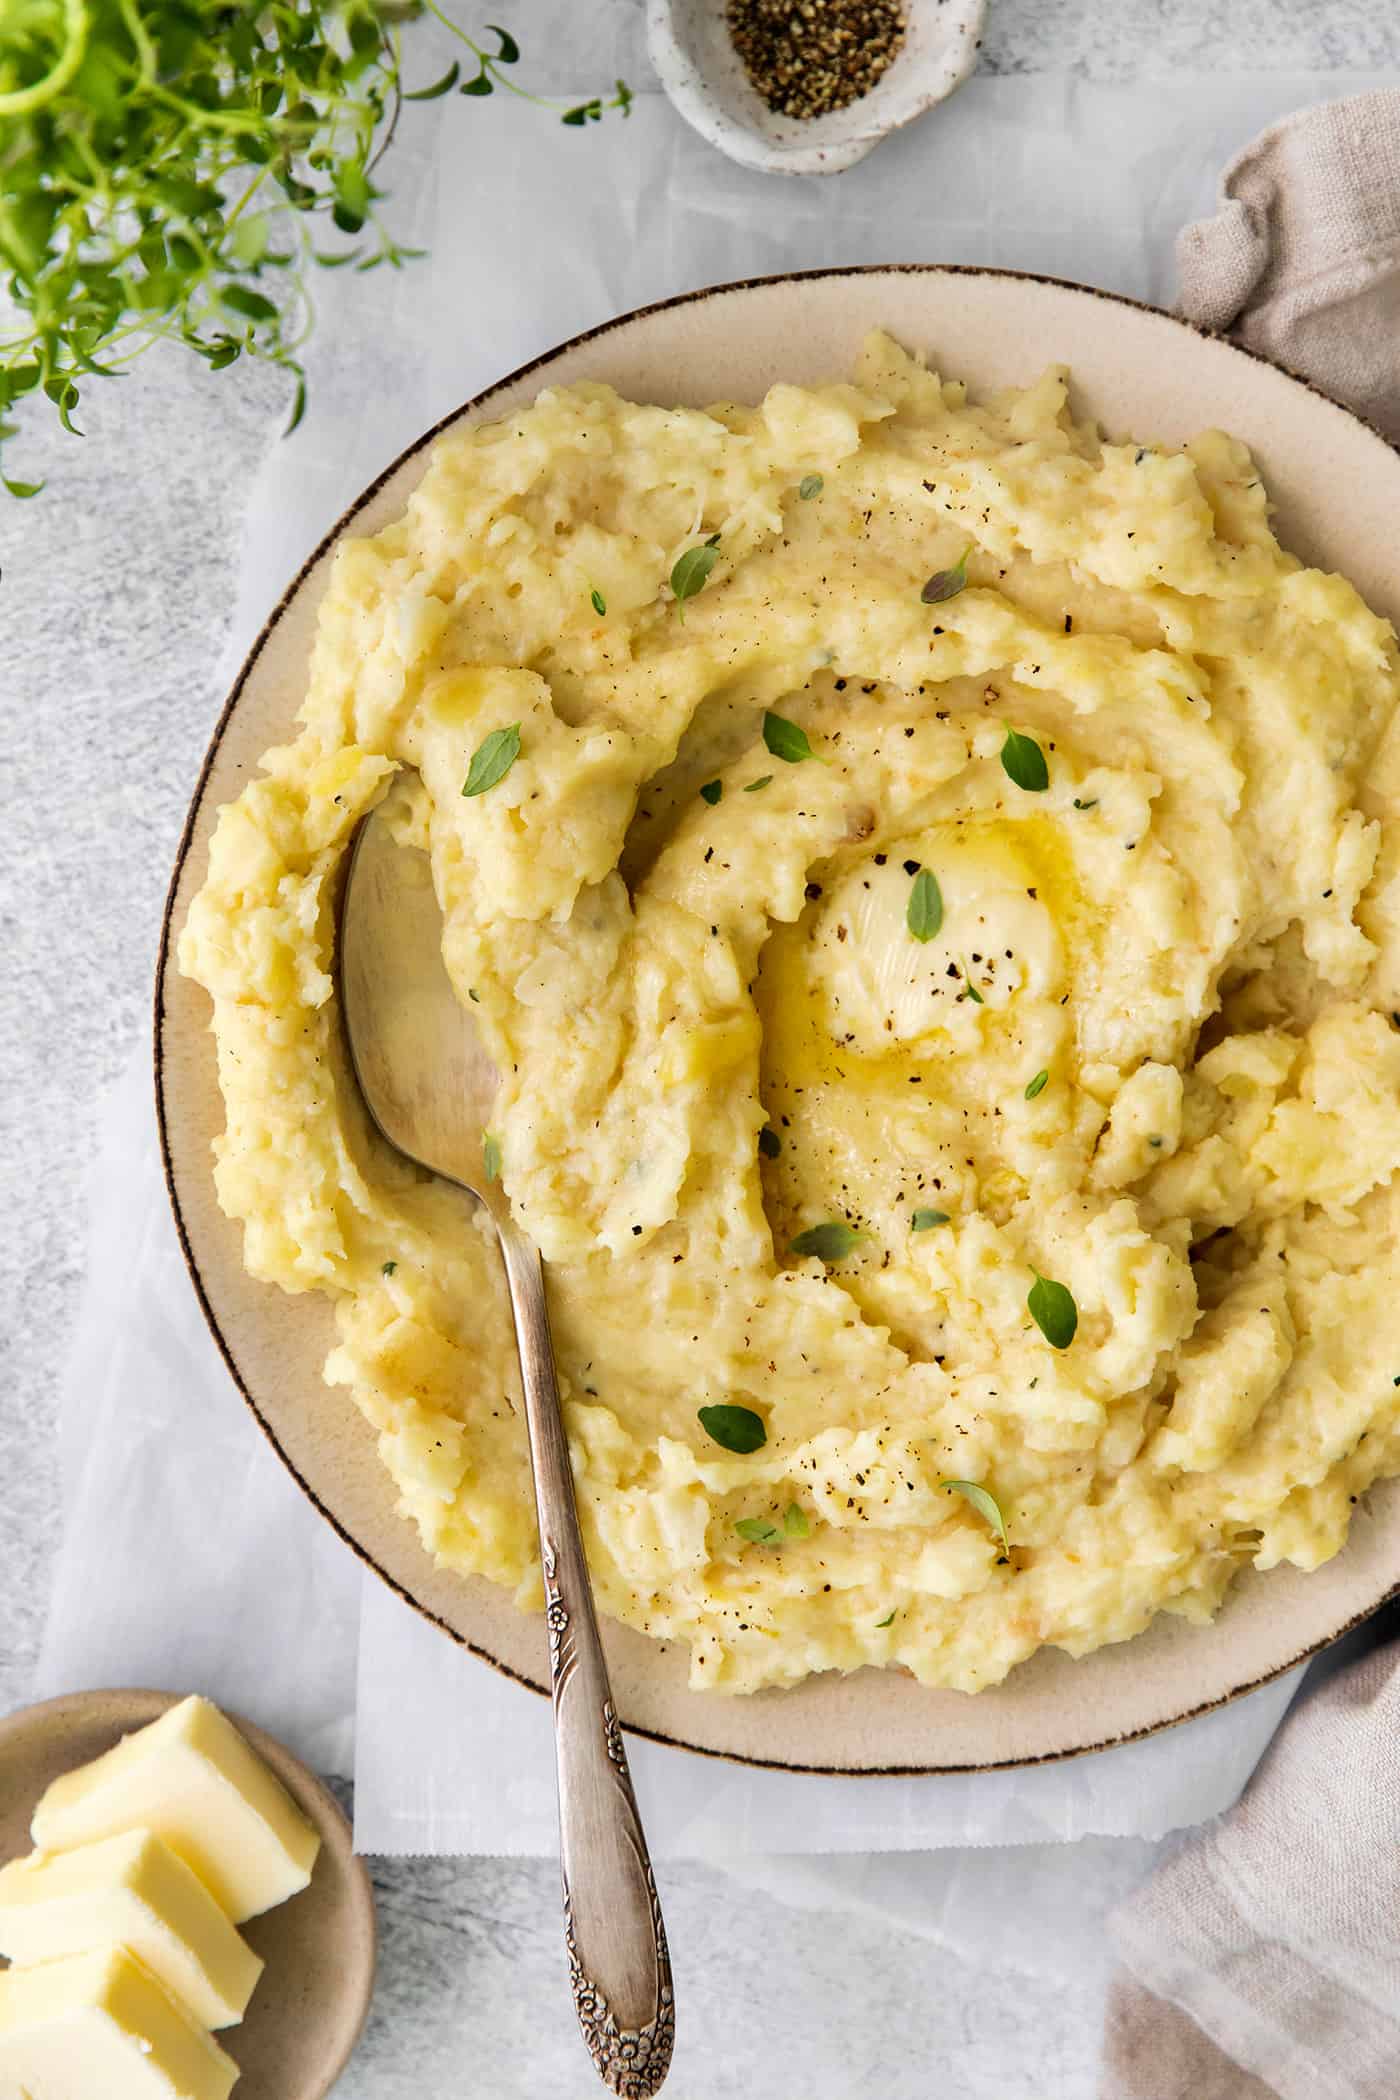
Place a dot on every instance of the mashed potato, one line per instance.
(945, 1010)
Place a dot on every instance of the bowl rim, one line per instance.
(163, 960)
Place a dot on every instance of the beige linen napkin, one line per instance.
(1302, 260)
(1263, 1957)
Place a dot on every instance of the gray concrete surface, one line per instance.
(115, 596)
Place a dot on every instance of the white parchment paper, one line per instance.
(189, 1559)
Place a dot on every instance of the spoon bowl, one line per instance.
(414, 1047)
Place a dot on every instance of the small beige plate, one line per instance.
(310, 2004)
(1337, 488)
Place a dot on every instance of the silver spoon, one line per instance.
(429, 1087)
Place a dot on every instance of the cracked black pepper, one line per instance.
(809, 57)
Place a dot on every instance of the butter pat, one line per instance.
(130, 1891)
(191, 1779)
(99, 2027)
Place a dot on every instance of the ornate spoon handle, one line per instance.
(618, 1963)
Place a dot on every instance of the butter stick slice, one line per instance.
(130, 1891)
(191, 1779)
(99, 2027)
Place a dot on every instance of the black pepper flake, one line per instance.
(809, 57)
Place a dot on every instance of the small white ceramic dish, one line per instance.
(313, 1996)
(704, 76)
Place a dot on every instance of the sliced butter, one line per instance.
(130, 1891)
(191, 1779)
(99, 2027)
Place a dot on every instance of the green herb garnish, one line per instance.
(1037, 1085)
(795, 1521)
(830, 1242)
(492, 760)
(169, 166)
(925, 1220)
(785, 740)
(946, 583)
(970, 988)
(1023, 761)
(711, 792)
(590, 112)
(736, 1428)
(810, 485)
(692, 570)
(1053, 1310)
(388, 1268)
(924, 914)
(986, 1506)
(887, 1621)
(757, 1530)
(764, 780)
(491, 1156)
(769, 1143)
(599, 603)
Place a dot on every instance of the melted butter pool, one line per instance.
(879, 1070)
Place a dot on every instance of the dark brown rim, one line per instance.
(342, 524)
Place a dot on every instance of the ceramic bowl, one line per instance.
(1336, 488)
(705, 78)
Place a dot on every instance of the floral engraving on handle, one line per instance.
(563, 1655)
(631, 2061)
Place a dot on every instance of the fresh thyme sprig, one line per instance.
(166, 168)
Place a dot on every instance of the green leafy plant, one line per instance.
(986, 1505)
(785, 740)
(169, 170)
(758, 1531)
(946, 583)
(735, 1428)
(1054, 1311)
(492, 759)
(830, 1242)
(924, 912)
(692, 571)
(1023, 761)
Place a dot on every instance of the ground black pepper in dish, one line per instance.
(809, 57)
